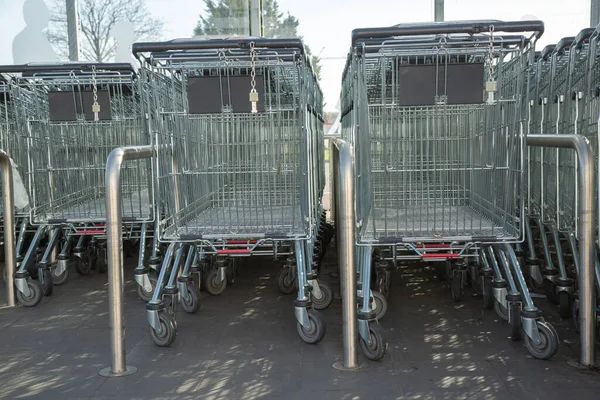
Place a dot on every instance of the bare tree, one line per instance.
(97, 19)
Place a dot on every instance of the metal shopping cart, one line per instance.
(14, 142)
(580, 117)
(72, 116)
(434, 112)
(238, 129)
(537, 121)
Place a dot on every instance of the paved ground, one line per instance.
(243, 345)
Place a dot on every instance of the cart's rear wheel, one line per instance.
(214, 285)
(316, 331)
(376, 349)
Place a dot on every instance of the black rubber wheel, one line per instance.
(168, 330)
(550, 290)
(61, 279)
(515, 322)
(286, 280)
(380, 304)
(47, 285)
(456, 286)
(35, 294)
(488, 293)
(565, 304)
(231, 273)
(316, 332)
(548, 345)
(475, 279)
(376, 350)
(326, 298)
(82, 266)
(501, 310)
(383, 284)
(214, 285)
(192, 304)
(145, 295)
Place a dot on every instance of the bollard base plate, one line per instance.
(341, 367)
(574, 363)
(107, 372)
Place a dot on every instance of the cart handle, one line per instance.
(211, 44)
(546, 51)
(436, 28)
(564, 43)
(583, 35)
(65, 67)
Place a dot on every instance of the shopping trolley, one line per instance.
(580, 117)
(238, 130)
(73, 115)
(538, 120)
(558, 285)
(13, 141)
(434, 112)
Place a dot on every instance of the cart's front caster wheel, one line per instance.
(214, 285)
(565, 304)
(550, 289)
(515, 322)
(145, 295)
(59, 279)
(231, 274)
(316, 332)
(501, 310)
(325, 299)
(83, 265)
(192, 304)
(488, 293)
(376, 350)
(168, 330)
(548, 345)
(47, 286)
(380, 304)
(456, 287)
(286, 280)
(384, 282)
(36, 293)
(474, 278)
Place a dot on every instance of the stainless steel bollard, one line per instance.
(114, 238)
(587, 219)
(343, 164)
(8, 198)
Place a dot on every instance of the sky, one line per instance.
(327, 24)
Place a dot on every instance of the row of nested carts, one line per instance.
(437, 115)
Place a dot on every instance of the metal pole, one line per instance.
(73, 29)
(255, 18)
(8, 199)
(594, 13)
(345, 236)
(439, 11)
(587, 218)
(114, 239)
